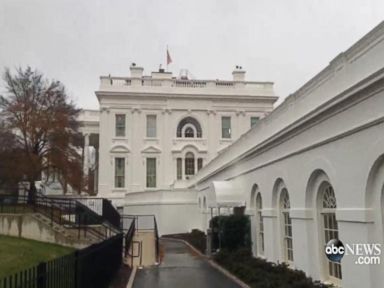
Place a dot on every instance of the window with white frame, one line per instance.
(330, 227)
(179, 168)
(151, 126)
(120, 125)
(226, 127)
(119, 172)
(189, 164)
(260, 226)
(151, 172)
(199, 163)
(286, 224)
(254, 121)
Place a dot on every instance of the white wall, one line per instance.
(175, 211)
(330, 130)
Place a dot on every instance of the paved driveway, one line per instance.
(181, 268)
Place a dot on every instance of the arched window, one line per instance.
(260, 226)
(189, 164)
(327, 207)
(286, 225)
(189, 133)
(190, 121)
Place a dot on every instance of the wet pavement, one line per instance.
(181, 268)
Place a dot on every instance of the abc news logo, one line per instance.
(366, 253)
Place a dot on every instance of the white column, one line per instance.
(86, 154)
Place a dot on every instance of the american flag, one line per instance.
(169, 59)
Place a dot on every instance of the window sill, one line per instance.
(226, 139)
(117, 190)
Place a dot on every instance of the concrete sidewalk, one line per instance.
(181, 268)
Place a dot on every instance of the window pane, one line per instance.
(151, 172)
(254, 121)
(189, 164)
(179, 168)
(151, 125)
(119, 172)
(225, 127)
(120, 125)
(189, 133)
(199, 163)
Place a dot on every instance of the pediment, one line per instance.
(189, 146)
(151, 149)
(120, 148)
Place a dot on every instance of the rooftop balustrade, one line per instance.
(110, 82)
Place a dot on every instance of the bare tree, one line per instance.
(10, 172)
(44, 121)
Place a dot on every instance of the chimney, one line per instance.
(136, 71)
(238, 74)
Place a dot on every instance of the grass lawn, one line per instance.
(17, 254)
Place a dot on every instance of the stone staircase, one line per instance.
(72, 235)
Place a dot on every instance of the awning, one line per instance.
(224, 194)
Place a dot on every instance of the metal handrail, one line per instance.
(65, 212)
(135, 222)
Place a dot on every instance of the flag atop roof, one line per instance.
(169, 59)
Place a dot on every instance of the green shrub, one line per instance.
(230, 232)
(259, 273)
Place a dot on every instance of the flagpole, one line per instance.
(167, 57)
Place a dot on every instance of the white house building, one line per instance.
(310, 171)
(158, 131)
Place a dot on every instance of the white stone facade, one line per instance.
(167, 120)
(324, 149)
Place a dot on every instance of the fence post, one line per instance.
(42, 275)
(85, 224)
(76, 270)
(51, 214)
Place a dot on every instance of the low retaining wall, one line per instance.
(29, 227)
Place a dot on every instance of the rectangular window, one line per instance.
(226, 127)
(179, 163)
(189, 166)
(288, 236)
(120, 125)
(254, 121)
(151, 172)
(331, 231)
(119, 172)
(151, 126)
(199, 163)
(261, 232)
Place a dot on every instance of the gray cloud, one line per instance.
(282, 41)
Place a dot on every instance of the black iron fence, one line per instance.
(101, 206)
(61, 211)
(92, 267)
(142, 223)
(129, 238)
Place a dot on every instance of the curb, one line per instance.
(132, 277)
(212, 263)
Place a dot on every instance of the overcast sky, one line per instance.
(284, 41)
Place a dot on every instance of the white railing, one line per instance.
(189, 83)
(180, 83)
